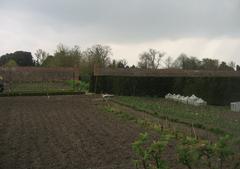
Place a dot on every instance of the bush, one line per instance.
(79, 85)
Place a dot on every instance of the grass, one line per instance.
(216, 119)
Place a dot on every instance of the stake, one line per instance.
(194, 132)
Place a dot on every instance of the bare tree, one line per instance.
(185, 62)
(122, 63)
(150, 59)
(76, 54)
(180, 62)
(224, 67)
(168, 62)
(209, 64)
(232, 64)
(41, 55)
(99, 54)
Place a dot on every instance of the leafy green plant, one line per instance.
(157, 148)
(192, 152)
(187, 152)
(213, 156)
(207, 153)
(140, 149)
(223, 150)
(150, 157)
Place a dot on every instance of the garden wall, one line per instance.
(38, 74)
(19, 80)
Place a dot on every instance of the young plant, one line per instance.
(139, 147)
(223, 151)
(150, 157)
(156, 149)
(207, 153)
(187, 152)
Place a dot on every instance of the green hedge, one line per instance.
(216, 91)
(40, 93)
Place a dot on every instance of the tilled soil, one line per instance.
(62, 132)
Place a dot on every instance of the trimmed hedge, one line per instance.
(40, 93)
(216, 91)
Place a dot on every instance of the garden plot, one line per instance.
(62, 132)
(87, 132)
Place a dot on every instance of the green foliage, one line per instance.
(141, 151)
(150, 156)
(211, 118)
(215, 90)
(188, 154)
(11, 63)
(122, 115)
(78, 85)
(157, 148)
(223, 150)
(207, 153)
(192, 152)
(22, 58)
(49, 62)
(63, 57)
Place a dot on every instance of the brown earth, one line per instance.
(62, 132)
(71, 132)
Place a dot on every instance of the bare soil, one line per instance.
(62, 132)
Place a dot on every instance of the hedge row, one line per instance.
(40, 93)
(216, 91)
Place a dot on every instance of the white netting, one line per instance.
(192, 100)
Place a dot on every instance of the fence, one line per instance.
(19, 80)
(216, 87)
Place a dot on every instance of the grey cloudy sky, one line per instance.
(202, 28)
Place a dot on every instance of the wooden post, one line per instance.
(74, 80)
(95, 84)
(95, 77)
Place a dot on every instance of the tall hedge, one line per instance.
(215, 90)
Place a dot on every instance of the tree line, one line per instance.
(153, 59)
(101, 55)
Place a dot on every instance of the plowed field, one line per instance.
(62, 132)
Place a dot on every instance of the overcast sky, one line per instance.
(201, 28)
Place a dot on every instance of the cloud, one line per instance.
(224, 49)
(136, 20)
(170, 25)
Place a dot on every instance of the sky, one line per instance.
(200, 28)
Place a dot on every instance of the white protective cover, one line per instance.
(193, 100)
(235, 106)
